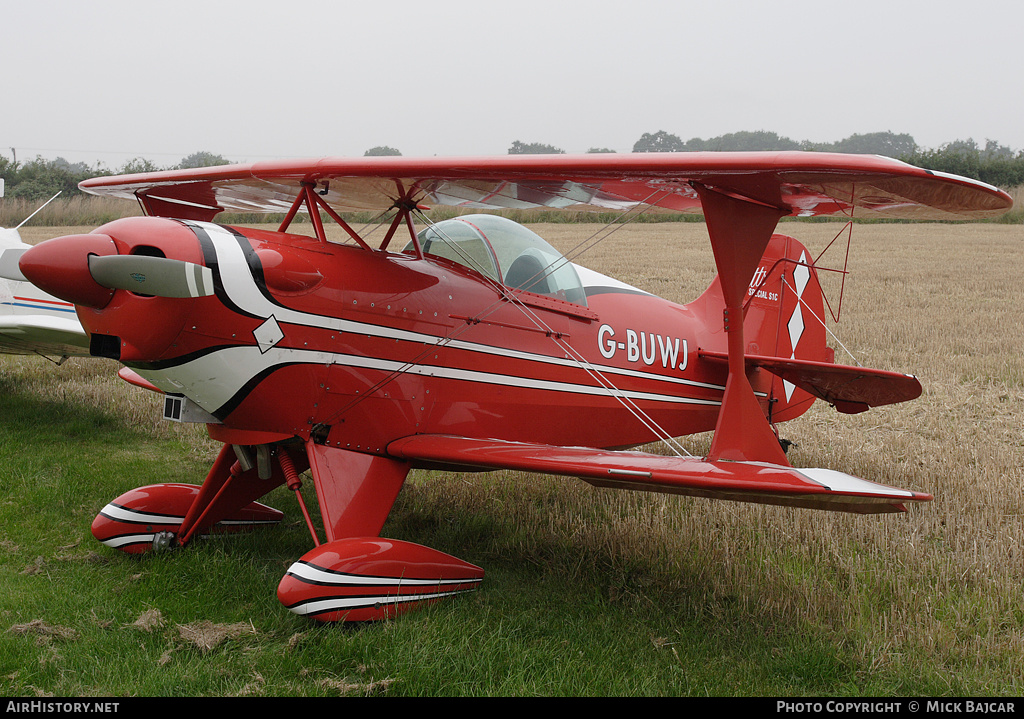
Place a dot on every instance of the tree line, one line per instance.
(41, 179)
(994, 163)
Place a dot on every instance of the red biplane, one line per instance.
(471, 343)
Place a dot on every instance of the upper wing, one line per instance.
(756, 482)
(802, 183)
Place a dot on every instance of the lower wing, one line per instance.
(756, 482)
(43, 334)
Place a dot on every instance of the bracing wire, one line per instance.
(815, 316)
(507, 296)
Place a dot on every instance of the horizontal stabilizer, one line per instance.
(849, 389)
(756, 482)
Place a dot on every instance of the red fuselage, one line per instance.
(357, 348)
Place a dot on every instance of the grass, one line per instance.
(587, 592)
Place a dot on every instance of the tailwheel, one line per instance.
(369, 578)
(149, 518)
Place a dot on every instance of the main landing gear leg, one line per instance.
(162, 515)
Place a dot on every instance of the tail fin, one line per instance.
(750, 262)
(10, 237)
(11, 249)
(785, 329)
(784, 318)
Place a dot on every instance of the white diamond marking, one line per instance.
(268, 334)
(796, 327)
(801, 275)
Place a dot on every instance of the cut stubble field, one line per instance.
(725, 598)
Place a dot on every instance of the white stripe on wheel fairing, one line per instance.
(319, 606)
(317, 575)
(117, 513)
(134, 516)
(125, 540)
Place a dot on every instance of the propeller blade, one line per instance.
(9, 263)
(157, 276)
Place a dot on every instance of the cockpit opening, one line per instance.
(505, 251)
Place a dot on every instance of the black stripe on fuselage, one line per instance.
(211, 260)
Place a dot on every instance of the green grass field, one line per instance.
(588, 592)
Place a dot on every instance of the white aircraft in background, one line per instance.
(32, 321)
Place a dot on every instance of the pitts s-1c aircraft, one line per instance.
(471, 343)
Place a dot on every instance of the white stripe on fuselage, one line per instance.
(214, 379)
(238, 283)
(241, 363)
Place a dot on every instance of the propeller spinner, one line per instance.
(87, 270)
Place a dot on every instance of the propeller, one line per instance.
(86, 270)
(147, 275)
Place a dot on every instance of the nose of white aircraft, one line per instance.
(60, 267)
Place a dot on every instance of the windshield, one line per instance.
(504, 251)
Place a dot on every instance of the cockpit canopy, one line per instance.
(506, 252)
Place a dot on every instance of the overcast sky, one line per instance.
(109, 81)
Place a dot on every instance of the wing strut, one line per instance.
(314, 203)
(740, 230)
